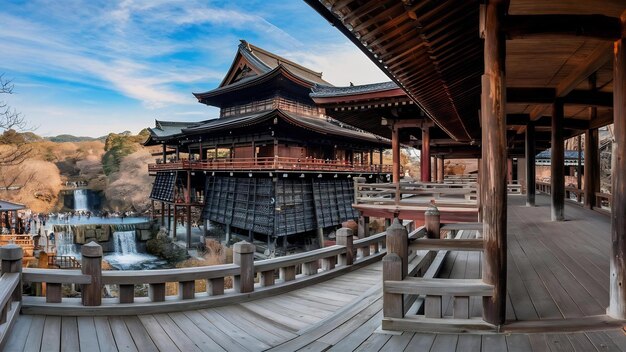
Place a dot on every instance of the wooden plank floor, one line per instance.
(556, 270)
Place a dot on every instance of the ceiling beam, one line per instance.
(599, 57)
(538, 95)
(593, 26)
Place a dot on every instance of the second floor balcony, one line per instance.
(278, 163)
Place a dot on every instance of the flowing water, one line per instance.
(81, 199)
(126, 256)
(64, 242)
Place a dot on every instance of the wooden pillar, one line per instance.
(494, 144)
(617, 286)
(164, 153)
(162, 213)
(243, 255)
(11, 262)
(398, 243)
(435, 173)
(592, 167)
(169, 218)
(91, 264)
(188, 226)
(395, 149)
(425, 157)
(440, 169)
(320, 236)
(432, 222)
(344, 238)
(579, 179)
(557, 163)
(175, 225)
(531, 152)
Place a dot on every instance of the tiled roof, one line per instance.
(321, 91)
(9, 206)
(569, 154)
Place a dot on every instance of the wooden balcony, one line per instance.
(270, 164)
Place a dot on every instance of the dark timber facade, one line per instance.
(273, 163)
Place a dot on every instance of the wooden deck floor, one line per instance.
(556, 271)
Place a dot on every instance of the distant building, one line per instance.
(273, 164)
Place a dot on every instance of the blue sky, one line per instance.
(93, 67)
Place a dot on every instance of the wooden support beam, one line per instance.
(395, 149)
(592, 26)
(617, 286)
(425, 157)
(557, 168)
(494, 145)
(531, 152)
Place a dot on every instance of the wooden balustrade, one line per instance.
(314, 266)
(10, 288)
(576, 196)
(415, 303)
(399, 193)
(270, 163)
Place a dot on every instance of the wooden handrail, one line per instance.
(55, 276)
(129, 277)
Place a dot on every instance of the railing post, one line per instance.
(92, 265)
(344, 238)
(11, 257)
(398, 243)
(432, 222)
(243, 255)
(393, 303)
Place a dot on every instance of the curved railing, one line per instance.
(251, 279)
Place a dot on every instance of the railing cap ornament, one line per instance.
(395, 225)
(11, 252)
(432, 210)
(91, 250)
(243, 247)
(344, 232)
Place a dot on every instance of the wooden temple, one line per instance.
(273, 164)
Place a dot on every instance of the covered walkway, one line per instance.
(558, 275)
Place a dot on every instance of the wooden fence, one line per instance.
(577, 196)
(10, 288)
(250, 279)
(401, 193)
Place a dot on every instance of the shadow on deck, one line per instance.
(558, 279)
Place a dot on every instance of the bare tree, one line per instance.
(10, 119)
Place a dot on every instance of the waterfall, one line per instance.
(81, 200)
(124, 242)
(64, 242)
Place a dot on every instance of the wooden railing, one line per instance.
(63, 262)
(412, 299)
(250, 279)
(577, 196)
(399, 193)
(10, 289)
(270, 163)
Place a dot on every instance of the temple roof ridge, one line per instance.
(320, 90)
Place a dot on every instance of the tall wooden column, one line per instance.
(592, 167)
(425, 157)
(440, 171)
(592, 156)
(579, 175)
(531, 176)
(164, 153)
(557, 163)
(509, 170)
(617, 286)
(494, 143)
(435, 169)
(395, 149)
(188, 209)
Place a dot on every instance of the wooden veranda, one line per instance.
(557, 296)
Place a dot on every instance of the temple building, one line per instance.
(273, 164)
